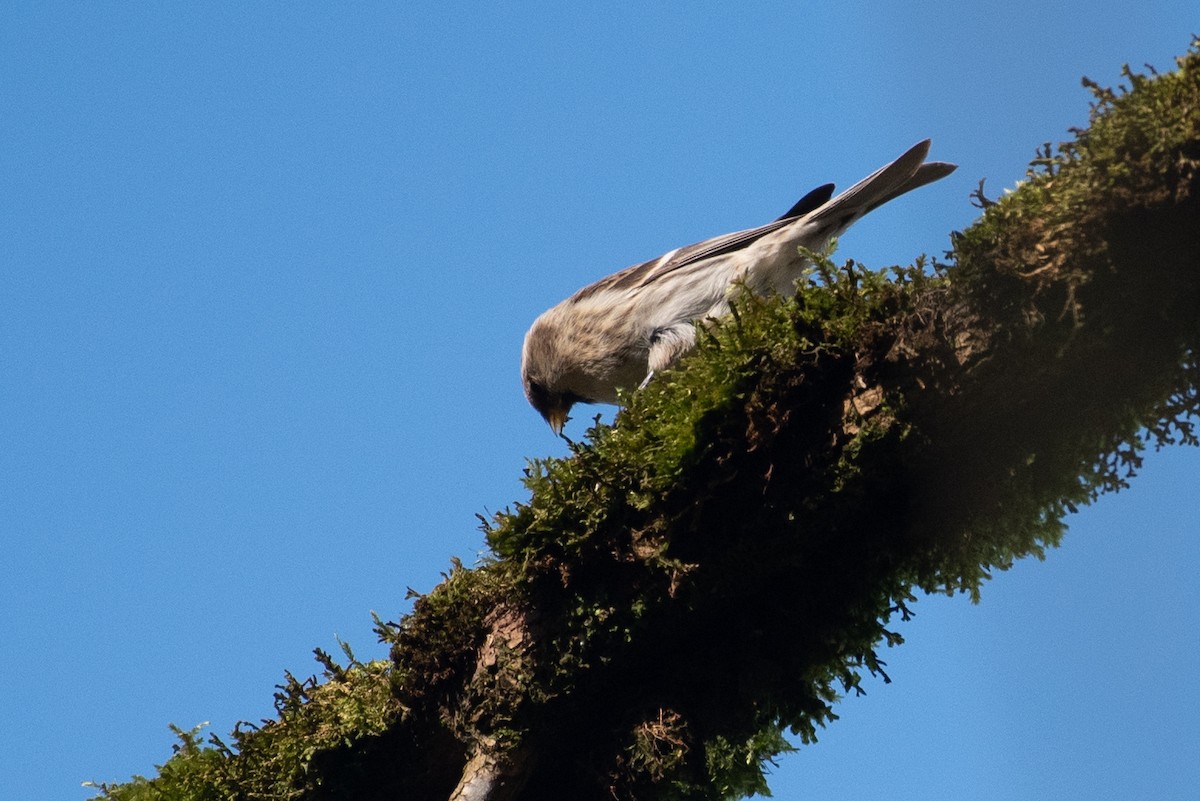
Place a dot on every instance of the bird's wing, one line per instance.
(810, 202)
(906, 173)
(647, 272)
(640, 275)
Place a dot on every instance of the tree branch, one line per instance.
(724, 562)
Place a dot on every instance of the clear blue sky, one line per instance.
(264, 274)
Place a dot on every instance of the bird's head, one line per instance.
(555, 407)
(549, 376)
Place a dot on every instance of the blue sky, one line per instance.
(264, 274)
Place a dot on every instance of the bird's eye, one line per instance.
(537, 392)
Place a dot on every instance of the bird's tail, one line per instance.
(904, 174)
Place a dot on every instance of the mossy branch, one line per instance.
(724, 562)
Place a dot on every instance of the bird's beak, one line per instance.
(557, 418)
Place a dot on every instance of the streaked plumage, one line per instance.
(618, 332)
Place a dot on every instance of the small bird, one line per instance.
(620, 331)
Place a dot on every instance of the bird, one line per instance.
(619, 332)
